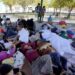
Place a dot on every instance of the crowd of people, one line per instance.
(46, 51)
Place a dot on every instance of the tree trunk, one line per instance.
(70, 9)
(54, 11)
(59, 11)
(23, 8)
(10, 8)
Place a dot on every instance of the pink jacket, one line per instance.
(5, 54)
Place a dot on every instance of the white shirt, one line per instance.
(60, 44)
(18, 59)
(8, 45)
(23, 35)
(1, 41)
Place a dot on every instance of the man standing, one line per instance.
(43, 12)
(38, 10)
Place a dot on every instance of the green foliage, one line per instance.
(46, 3)
(37, 1)
(24, 3)
(70, 4)
(62, 3)
(9, 2)
(57, 3)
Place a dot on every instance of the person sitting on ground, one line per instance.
(60, 64)
(6, 69)
(45, 26)
(10, 30)
(19, 59)
(30, 53)
(42, 66)
(23, 33)
(31, 26)
(50, 20)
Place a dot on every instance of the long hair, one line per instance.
(22, 23)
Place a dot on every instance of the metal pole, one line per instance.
(41, 7)
(41, 3)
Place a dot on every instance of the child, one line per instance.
(50, 20)
(6, 69)
(23, 33)
(18, 59)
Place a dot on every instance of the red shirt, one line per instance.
(1, 30)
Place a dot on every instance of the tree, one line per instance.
(24, 3)
(70, 4)
(61, 4)
(54, 4)
(36, 2)
(57, 4)
(46, 3)
(10, 3)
